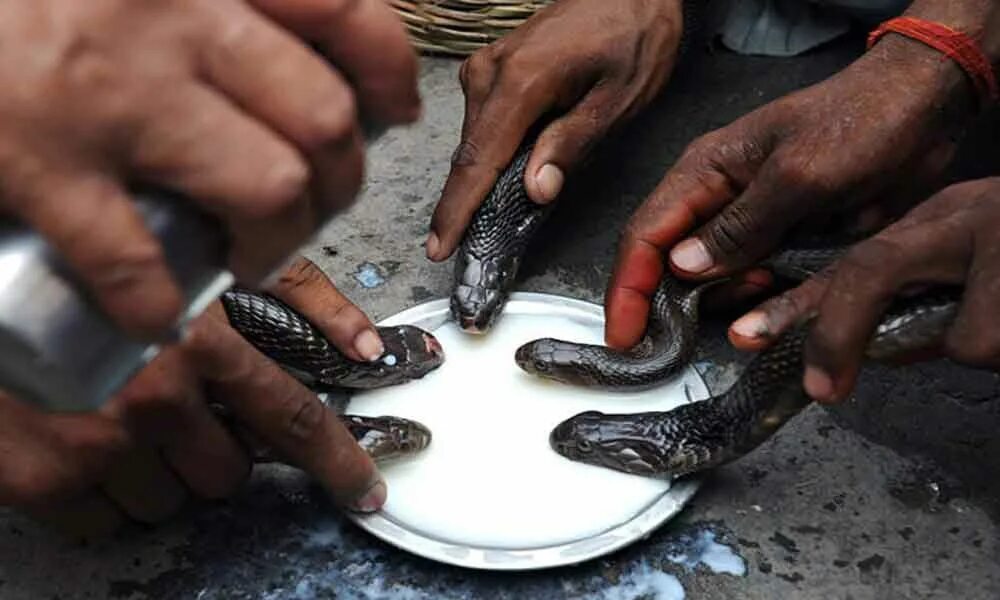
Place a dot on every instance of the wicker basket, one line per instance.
(460, 27)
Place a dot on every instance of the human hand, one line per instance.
(220, 100)
(142, 455)
(304, 287)
(595, 62)
(953, 238)
(878, 130)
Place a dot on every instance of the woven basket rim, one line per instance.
(460, 27)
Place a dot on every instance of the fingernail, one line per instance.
(550, 181)
(433, 246)
(818, 384)
(691, 256)
(369, 345)
(373, 499)
(751, 325)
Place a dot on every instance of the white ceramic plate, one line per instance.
(489, 493)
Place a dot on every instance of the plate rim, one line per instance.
(641, 525)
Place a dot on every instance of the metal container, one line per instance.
(57, 349)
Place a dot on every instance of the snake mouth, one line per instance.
(433, 347)
(387, 438)
(567, 439)
(471, 325)
(480, 291)
(593, 438)
(418, 436)
(526, 359)
(476, 309)
(561, 439)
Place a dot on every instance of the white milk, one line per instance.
(489, 477)
(702, 549)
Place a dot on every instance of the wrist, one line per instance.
(921, 77)
(966, 31)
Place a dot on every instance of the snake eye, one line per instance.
(584, 446)
(541, 366)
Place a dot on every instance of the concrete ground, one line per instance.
(892, 496)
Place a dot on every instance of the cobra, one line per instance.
(692, 437)
(288, 338)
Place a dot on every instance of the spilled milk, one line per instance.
(700, 548)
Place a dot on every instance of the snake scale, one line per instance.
(688, 439)
(281, 333)
(694, 436)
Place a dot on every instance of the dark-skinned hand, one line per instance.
(952, 238)
(157, 444)
(596, 63)
(873, 137)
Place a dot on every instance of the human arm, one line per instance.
(877, 131)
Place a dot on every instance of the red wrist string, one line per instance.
(955, 45)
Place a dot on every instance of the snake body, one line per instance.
(694, 436)
(664, 350)
(701, 435)
(284, 335)
(491, 251)
(690, 438)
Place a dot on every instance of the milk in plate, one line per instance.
(489, 477)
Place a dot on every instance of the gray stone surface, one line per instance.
(821, 511)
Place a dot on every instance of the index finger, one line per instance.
(367, 42)
(286, 415)
(678, 204)
(307, 289)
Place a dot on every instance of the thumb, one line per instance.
(566, 142)
(748, 228)
(700, 185)
(284, 414)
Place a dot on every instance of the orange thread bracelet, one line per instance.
(955, 45)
